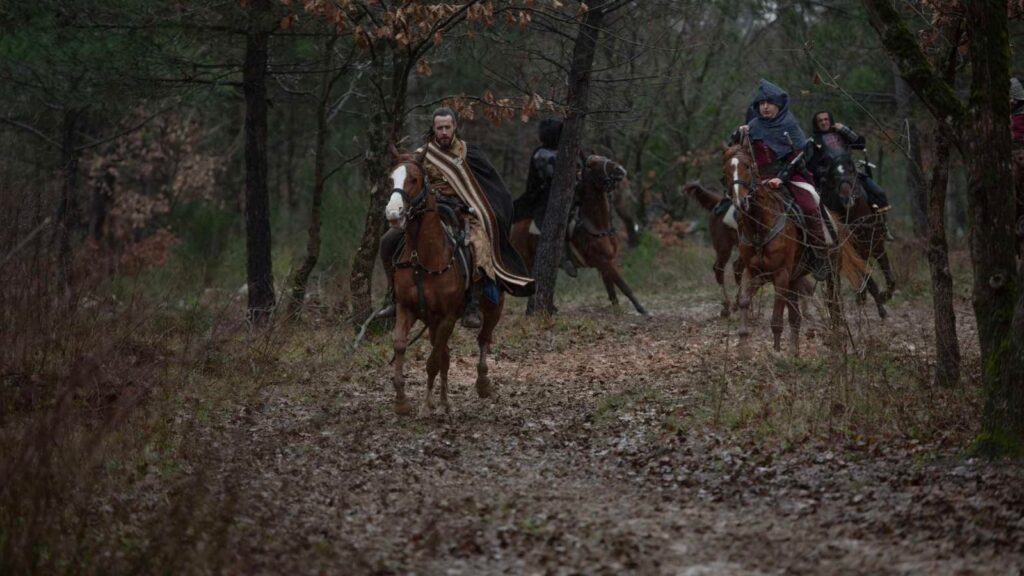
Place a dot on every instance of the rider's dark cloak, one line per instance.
(501, 204)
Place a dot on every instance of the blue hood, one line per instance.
(773, 132)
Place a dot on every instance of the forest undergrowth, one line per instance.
(146, 432)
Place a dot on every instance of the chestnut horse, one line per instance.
(430, 286)
(842, 192)
(723, 239)
(771, 247)
(593, 239)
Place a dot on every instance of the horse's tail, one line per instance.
(706, 198)
(851, 265)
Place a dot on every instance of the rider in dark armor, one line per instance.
(534, 202)
(777, 143)
(832, 139)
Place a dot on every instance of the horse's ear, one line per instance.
(393, 150)
(422, 155)
(725, 146)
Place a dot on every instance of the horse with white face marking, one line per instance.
(430, 285)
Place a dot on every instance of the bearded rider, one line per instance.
(461, 174)
(777, 142)
(832, 139)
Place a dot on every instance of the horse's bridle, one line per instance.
(743, 204)
(418, 207)
(838, 167)
(605, 183)
(606, 180)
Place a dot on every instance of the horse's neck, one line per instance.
(764, 210)
(428, 235)
(594, 207)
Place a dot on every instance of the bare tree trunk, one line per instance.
(917, 187)
(259, 267)
(549, 252)
(998, 303)
(981, 134)
(300, 279)
(947, 346)
(67, 209)
(385, 124)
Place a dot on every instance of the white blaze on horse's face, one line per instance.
(395, 209)
(839, 168)
(735, 178)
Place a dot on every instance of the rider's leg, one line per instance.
(815, 230)
(878, 200)
(876, 195)
(471, 313)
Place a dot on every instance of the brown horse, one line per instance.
(843, 193)
(430, 286)
(592, 239)
(723, 239)
(771, 247)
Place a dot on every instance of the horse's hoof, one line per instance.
(725, 311)
(403, 407)
(882, 313)
(483, 387)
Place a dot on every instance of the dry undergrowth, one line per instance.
(156, 437)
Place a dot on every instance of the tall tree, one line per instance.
(259, 265)
(549, 252)
(915, 182)
(980, 132)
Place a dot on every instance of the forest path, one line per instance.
(596, 457)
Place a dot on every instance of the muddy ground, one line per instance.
(615, 444)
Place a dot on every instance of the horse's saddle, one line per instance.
(722, 207)
(727, 212)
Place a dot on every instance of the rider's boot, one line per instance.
(471, 313)
(821, 266)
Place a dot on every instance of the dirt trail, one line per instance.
(586, 463)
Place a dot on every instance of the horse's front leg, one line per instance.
(609, 287)
(608, 270)
(890, 279)
(747, 284)
(403, 322)
(432, 369)
(491, 314)
(871, 287)
(440, 360)
(719, 267)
